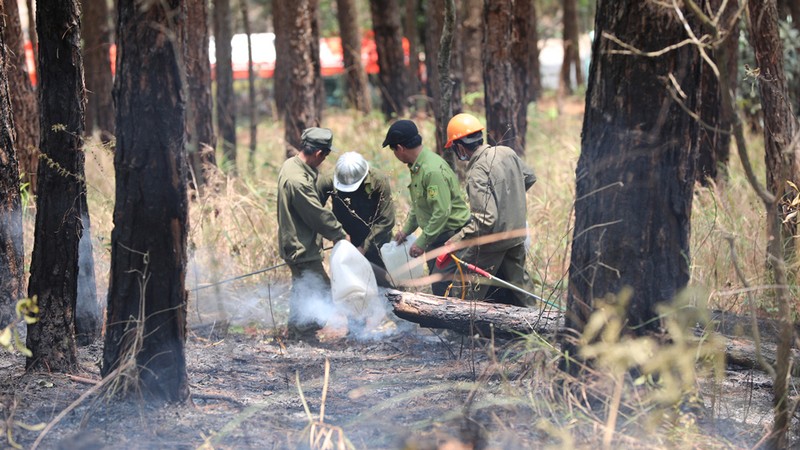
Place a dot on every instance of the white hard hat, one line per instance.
(351, 169)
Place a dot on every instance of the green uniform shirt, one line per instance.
(497, 180)
(302, 220)
(437, 203)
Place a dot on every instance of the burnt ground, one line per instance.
(411, 388)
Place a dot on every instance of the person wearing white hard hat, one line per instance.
(361, 199)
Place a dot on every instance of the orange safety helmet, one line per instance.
(461, 125)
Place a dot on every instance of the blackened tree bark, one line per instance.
(782, 154)
(714, 145)
(200, 136)
(350, 32)
(506, 59)
(147, 294)
(303, 67)
(636, 171)
(281, 23)
(572, 57)
(23, 97)
(11, 266)
(471, 44)
(391, 60)
(226, 106)
(443, 69)
(99, 81)
(54, 264)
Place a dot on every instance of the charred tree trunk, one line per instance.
(391, 60)
(572, 57)
(471, 43)
(54, 264)
(506, 57)
(782, 151)
(147, 295)
(714, 145)
(226, 102)
(302, 107)
(23, 97)
(471, 317)
(11, 253)
(636, 171)
(99, 82)
(88, 314)
(200, 137)
(357, 86)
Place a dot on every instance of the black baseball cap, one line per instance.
(401, 133)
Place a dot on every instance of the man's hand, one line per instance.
(415, 251)
(400, 237)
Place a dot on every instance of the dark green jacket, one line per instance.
(302, 220)
(437, 202)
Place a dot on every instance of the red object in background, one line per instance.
(330, 52)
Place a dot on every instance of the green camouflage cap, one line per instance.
(320, 138)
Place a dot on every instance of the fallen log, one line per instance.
(509, 322)
(474, 317)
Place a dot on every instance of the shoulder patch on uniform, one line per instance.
(433, 192)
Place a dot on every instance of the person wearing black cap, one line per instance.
(303, 222)
(438, 206)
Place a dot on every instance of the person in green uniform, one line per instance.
(438, 207)
(497, 182)
(303, 222)
(361, 199)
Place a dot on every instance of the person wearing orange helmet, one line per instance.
(497, 182)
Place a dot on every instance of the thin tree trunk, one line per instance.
(350, 32)
(200, 137)
(572, 58)
(23, 97)
(441, 41)
(412, 35)
(88, 314)
(146, 319)
(54, 263)
(303, 68)
(782, 151)
(635, 175)
(281, 22)
(715, 138)
(32, 36)
(251, 88)
(99, 81)
(506, 56)
(11, 255)
(226, 106)
(782, 154)
(471, 44)
(389, 44)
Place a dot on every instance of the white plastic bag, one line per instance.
(397, 259)
(353, 286)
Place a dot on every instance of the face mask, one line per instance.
(462, 156)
